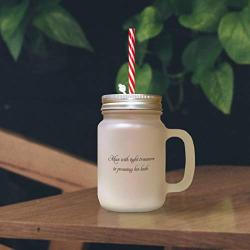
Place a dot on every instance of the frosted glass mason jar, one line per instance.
(131, 154)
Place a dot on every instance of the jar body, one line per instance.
(131, 161)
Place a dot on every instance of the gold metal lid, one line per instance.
(131, 101)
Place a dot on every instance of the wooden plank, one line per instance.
(3, 247)
(66, 245)
(44, 164)
(213, 213)
(47, 165)
(189, 248)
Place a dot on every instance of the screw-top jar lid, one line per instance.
(131, 101)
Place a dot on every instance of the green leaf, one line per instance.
(14, 42)
(163, 48)
(159, 84)
(122, 77)
(205, 15)
(201, 53)
(217, 85)
(141, 51)
(58, 24)
(143, 78)
(148, 24)
(12, 17)
(13, 24)
(234, 34)
(165, 8)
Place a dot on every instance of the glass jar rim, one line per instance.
(131, 102)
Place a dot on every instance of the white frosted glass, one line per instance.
(131, 161)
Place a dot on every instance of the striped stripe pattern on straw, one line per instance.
(131, 60)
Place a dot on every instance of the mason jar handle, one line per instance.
(190, 160)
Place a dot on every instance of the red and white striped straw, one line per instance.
(131, 60)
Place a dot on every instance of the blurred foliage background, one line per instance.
(27, 22)
(216, 34)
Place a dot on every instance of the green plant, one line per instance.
(216, 35)
(35, 19)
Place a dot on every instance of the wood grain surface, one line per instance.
(67, 245)
(213, 213)
(2, 247)
(45, 164)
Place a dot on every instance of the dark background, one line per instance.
(56, 100)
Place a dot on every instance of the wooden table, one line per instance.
(213, 213)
